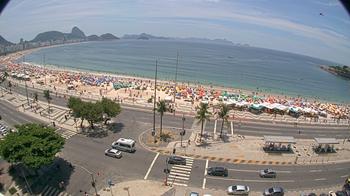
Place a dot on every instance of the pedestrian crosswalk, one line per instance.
(51, 191)
(180, 174)
(66, 134)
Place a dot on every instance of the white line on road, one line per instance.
(150, 167)
(215, 126)
(246, 180)
(255, 171)
(344, 176)
(316, 170)
(205, 174)
(319, 179)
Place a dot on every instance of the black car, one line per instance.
(217, 171)
(177, 160)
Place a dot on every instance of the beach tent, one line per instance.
(256, 106)
(242, 104)
(168, 99)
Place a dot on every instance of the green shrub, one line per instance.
(12, 190)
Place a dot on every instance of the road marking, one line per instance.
(231, 128)
(344, 176)
(181, 173)
(177, 177)
(179, 184)
(205, 174)
(150, 167)
(243, 180)
(215, 126)
(182, 168)
(255, 171)
(316, 170)
(319, 179)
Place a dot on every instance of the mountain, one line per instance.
(93, 38)
(143, 36)
(108, 36)
(48, 36)
(4, 42)
(76, 33)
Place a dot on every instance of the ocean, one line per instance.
(250, 68)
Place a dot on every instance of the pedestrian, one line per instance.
(299, 132)
(189, 142)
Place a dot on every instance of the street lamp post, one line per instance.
(182, 133)
(93, 181)
(154, 104)
(177, 63)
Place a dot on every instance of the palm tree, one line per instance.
(202, 115)
(161, 108)
(35, 96)
(48, 98)
(223, 114)
(10, 86)
(2, 79)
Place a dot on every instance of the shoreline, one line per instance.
(14, 57)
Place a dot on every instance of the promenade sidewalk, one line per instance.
(59, 115)
(188, 109)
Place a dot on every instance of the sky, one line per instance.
(288, 25)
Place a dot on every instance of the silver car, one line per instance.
(267, 173)
(238, 190)
(113, 153)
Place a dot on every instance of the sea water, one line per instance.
(251, 68)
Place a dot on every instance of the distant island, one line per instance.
(342, 71)
(50, 38)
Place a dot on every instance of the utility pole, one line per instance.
(93, 182)
(177, 63)
(183, 127)
(25, 81)
(44, 65)
(154, 103)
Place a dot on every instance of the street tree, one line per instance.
(3, 79)
(92, 112)
(9, 84)
(202, 115)
(223, 114)
(161, 109)
(76, 105)
(48, 98)
(35, 97)
(33, 145)
(110, 109)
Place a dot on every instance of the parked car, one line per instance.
(238, 190)
(194, 194)
(274, 191)
(267, 173)
(341, 193)
(217, 171)
(332, 193)
(113, 153)
(177, 160)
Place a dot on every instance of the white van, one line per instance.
(123, 144)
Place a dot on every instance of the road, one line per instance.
(244, 128)
(88, 152)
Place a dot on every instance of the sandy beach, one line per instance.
(122, 87)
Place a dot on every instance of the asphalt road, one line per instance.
(88, 152)
(243, 128)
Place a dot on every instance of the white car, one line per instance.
(238, 190)
(113, 153)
